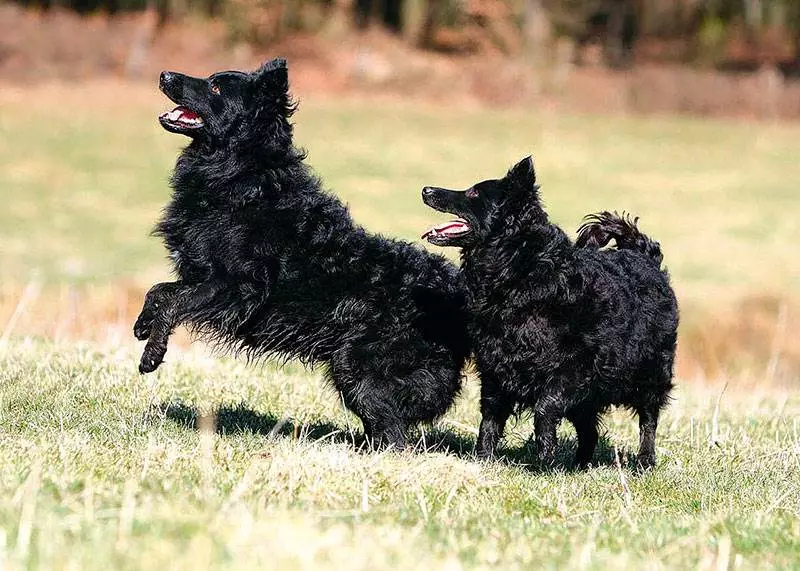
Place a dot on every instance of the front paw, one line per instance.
(154, 302)
(143, 325)
(152, 357)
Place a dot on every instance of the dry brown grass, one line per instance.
(754, 340)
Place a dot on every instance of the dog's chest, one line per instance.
(515, 343)
(199, 239)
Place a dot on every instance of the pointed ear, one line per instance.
(274, 74)
(523, 177)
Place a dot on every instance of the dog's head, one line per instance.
(486, 208)
(230, 105)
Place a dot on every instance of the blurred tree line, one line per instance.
(702, 29)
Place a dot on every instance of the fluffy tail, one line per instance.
(598, 229)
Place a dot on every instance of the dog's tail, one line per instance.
(597, 231)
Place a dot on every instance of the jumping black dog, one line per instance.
(270, 264)
(560, 328)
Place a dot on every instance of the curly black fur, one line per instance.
(270, 264)
(560, 328)
(599, 229)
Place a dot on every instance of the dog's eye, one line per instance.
(472, 193)
(215, 89)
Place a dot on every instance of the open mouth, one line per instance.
(181, 118)
(451, 229)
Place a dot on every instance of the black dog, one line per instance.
(563, 329)
(270, 264)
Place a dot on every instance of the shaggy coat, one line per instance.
(270, 264)
(562, 329)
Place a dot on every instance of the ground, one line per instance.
(103, 468)
(216, 463)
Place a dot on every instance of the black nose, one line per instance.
(166, 78)
(428, 191)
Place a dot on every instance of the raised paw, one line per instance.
(154, 302)
(143, 325)
(152, 357)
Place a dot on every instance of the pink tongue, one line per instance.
(452, 227)
(187, 113)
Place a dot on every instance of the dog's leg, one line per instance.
(362, 382)
(161, 327)
(496, 407)
(181, 306)
(585, 423)
(391, 434)
(547, 414)
(369, 432)
(158, 297)
(382, 427)
(648, 423)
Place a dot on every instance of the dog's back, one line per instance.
(635, 300)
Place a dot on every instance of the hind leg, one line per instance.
(648, 423)
(369, 399)
(381, 427)
(390, 393)
(496, 407)
(649, 409)
(389, 435)
(401, 399)
(585, 423)
(547, 414)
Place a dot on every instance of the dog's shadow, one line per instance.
(524, 456)
(232, 420)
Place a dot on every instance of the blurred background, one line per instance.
(683, 112)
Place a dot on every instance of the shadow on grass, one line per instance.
(605, 455)
(439, 440)
(239, 419)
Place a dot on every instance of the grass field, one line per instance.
(103, 468)
(214, 464)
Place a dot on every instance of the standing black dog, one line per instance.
(270, 264)
(566, 330)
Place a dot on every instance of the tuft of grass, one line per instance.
(214, 464)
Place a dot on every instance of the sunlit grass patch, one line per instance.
(215, 463)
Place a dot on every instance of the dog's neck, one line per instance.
(521, 254)
(226, 175)
(284, 193)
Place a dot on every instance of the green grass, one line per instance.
(103, 468)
